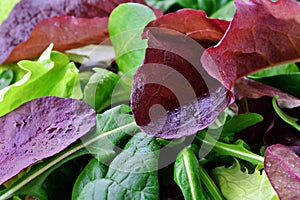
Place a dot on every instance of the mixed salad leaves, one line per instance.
(134, 99)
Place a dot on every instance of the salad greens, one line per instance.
(209, 115)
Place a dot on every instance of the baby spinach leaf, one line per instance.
(187, 175)
(127, 41)
(274, 71)
(99, 88)
(282, 168)
(6, 77)
(51, 75)
(161, 4)
(285, 117)
(236, 184)
(266, 37)
(131, 175)
(240, 122)
(94, 170)
(226, 12)
(40, 129)
(239, 149)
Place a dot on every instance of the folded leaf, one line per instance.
(262, 34)
(195, 24)
(40, 129)
(283, 170)
(172, 96)
(28, 13)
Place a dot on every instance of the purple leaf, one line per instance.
(172, 96)
(282, 167)
(40, 129)
(262, 34)
(252, 89)
(28, 13)
(207, 32)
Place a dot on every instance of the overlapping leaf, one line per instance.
(262, 33)
(28, 13)
(40, 129)
(172, 95)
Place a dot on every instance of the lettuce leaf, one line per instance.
(236, 185)
(51, 75)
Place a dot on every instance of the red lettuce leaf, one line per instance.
(172, 96)
(40, 129)
(252, 89)
(262, 34)
(66, 32)
(195, 24)
(28, 13)
(282, 167)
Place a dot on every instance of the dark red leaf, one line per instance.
(28, 13)
(282, 167)
(195, 24)
(262, 34)
(66, 32)
(172, 96)
(252, 89)
(40, 129)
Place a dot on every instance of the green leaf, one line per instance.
(5, 8)
(125, 27)
(274, 71)
(112, 126)
(161, 4)
(211, 6)
(6, 77)
(285, 117)
(238, 149)
(51, 75)
(98, 90)
(187, 175)
(131, 175)
(94, 170)
(210, 187)
(236, 185)
(240, 122)
(226, 12)
(188, 3)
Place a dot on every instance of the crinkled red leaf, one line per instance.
(195, 24)
(282, 167)
(40, 129)
(262, 34)
(66, 32)
(172, 96)
(28, 13)
(252, 89)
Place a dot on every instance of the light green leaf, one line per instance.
(51, 75)
(226, 12)
(161, 4)
(131, 175)
(5, 8)
(125, 26)
(274, 71)
(6, 77)
(187, 175)
(237, 185)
